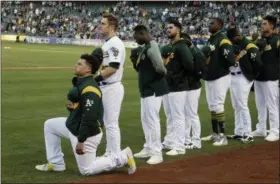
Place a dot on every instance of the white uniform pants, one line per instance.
(174, 107)
(150, 107)
(192, 122)
(267, 97)
(216, 91)
(112, 100)
(88, 164)
(239, 91)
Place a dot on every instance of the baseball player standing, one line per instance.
(152, 86)
(82, 127)
(192, 126)
(247, 67)
(178, 66)
(217, 80)
(109, 80)
(266, 84)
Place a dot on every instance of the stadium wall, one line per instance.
(62, 41)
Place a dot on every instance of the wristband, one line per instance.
(99, 78)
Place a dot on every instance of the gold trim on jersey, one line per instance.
(225, 41)
(92, 89)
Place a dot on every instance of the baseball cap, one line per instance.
(166, 50)
(98, 53)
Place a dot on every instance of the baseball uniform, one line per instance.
(113, 92)
(217, 81)
(152, 86)
(82, 125)
(181, 63)
(267, 91)
(246, 68)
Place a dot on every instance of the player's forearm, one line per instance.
(107, 72)
(155, 57)
(186, 58)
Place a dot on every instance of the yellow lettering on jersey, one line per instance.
(172, 55)
(225, 41)
(92, 89)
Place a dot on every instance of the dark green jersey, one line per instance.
(86, 116)
(270, 56)
(151, 71)
(221, 57)
(180, 64)
(249, 59)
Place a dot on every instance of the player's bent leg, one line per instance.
(261, 105)
(54, 129)
(89, 165)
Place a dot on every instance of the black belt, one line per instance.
(236, 73)
(105, 83)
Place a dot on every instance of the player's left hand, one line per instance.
(79, 148)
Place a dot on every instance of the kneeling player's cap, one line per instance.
(98, 53)
(166, 51)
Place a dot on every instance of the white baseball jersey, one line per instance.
(114, 51)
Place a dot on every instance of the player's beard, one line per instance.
(171, 36)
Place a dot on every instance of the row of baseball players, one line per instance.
(227, 62)
(172, 78)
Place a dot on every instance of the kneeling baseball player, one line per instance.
(82, 127)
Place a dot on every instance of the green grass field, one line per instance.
(31, 96)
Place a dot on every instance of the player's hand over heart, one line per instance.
(79, 148)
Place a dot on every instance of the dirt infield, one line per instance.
(256, 164)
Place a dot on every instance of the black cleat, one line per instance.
(235, 137)
(247, 139)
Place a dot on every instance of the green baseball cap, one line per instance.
(166, 50)
(98, 53)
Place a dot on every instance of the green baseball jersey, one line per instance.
(221, 57)
(271, 58)
(178, 67)
(151, 71)
(248, 58)
(86, 116)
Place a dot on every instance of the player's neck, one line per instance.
(268, 34)
(175, 39)
(110, 35)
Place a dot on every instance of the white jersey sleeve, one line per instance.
(114, 52)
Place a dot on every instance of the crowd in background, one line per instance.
(81, 19)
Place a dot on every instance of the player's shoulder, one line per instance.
(223, 39)
(116, 41)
